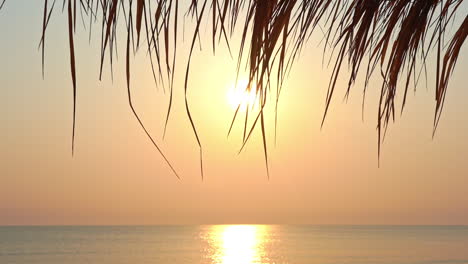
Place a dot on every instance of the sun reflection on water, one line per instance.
(238, 244)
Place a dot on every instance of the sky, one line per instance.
(328, 175)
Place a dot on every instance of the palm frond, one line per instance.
(387, 38)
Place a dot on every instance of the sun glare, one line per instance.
(238, 244)
(239, 95)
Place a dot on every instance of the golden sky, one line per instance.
(318, 176)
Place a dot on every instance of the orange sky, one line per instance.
(318, 176)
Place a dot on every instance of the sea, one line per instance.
(234, 244)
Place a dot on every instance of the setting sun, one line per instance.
(241, 95)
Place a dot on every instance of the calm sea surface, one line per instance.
(244, 244)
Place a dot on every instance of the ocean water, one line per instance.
(232, 244)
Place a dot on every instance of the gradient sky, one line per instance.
(318, 176)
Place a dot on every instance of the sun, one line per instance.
(242, 96)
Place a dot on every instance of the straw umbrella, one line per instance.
(390, 38)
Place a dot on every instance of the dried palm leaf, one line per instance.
(392, 38)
